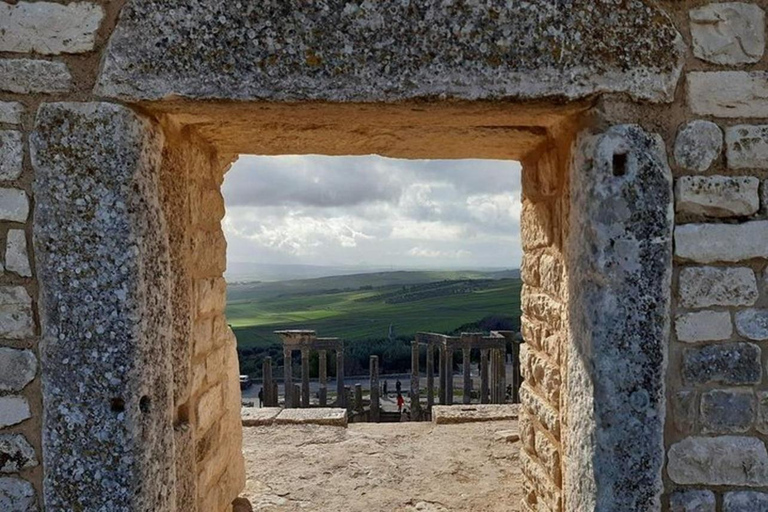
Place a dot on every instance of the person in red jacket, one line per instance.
(400, 402)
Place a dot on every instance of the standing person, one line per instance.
(398, 386)
(261, 396)
(400, 402)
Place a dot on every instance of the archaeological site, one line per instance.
(642, 128)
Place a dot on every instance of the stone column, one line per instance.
(430, 376)
(449, 376)
(322, 362)
(358, 397)
(484, 398)
(296, 395)
(441, 376)
(341, 397)
(346, 393)
(374, 370)
(266, 370)
(503, 376)
(414, 379)
(288, 378)
(465, 356)
(305, 377)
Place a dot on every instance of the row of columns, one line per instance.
(303, 398)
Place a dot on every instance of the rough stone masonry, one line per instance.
(645, 386)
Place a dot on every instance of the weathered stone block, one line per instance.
(747, 146)
(549, 455)
(727, 363)
(49, 28)
(537, 407)
(529, 269)
(704, 326)
(11, 154)
(727, 412)
(698, 145)
(753, 324)
(702, 287)
(26, 76)
(692, 501)
(16, 454)
(745, 501)
(535, 225)
(14, 205)
(13, 410)
(684, 410)
(551, 269)
(209, 408)
(709, 243)
(17, 495)
(724, 460)
(11, 112)
(728, 93)
(16, 321)
(17, 368)
(16, 256)
(717, 196)
(322, 416)
(210, 295)
(729, 33)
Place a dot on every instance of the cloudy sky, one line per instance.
(373, 211)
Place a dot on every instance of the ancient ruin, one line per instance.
(641, 126)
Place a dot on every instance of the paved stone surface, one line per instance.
(717, 196)
(745, 501)
(704, 326)
(747, 146)
(259, 416)
(16, 454)
(724, 460)
(103, 268)
(13, 410)
(446, 414)
(729, 33)
(49, 28)
(26, 76)
(14, 205)
(11, 154)
(16, 321)
(324, 416)
(728, 94)
(698, 145)
(726, 363)
(753, 324)
(701, 287)
(11, 112)
(17, 368)
(17, 495)
(727, 411)
(16, 255)
(710, 243)
(692, 501)
(336, 50)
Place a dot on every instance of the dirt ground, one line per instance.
(383, 467)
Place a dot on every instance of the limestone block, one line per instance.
(49, 28)
(322, 416)
(14, 205)
(527, 432)
(11, 154)
(16, 454)
(537, 407)
(727, 363)
(13, 410)
(209, 408)
(698, 145)
(728, 94)
(709, 243)
(753, 324)
(745, 501)
(17, 495)
(717, 196)
(259, 416)
(702, 287)
(17, 368)
(692, 501)
(684, 410)
(727, 411)
(542, 307)
(210, 295)
(158, 51)
(747, 146)
(551, 274)
(451, 414)
(704, 326)
(186, 471)
(724, 460)
(543, 486)
(26, 76)
(16, 256)
(16, 321)
(535, 225)
(11, 112)
(549, 455)
(203, 335)
(529, 269)
(730, 33)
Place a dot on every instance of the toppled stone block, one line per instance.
(449, 414)
(507, 436)
(710, 243)
(17, 368)
(724, 460)
(727, 363)
(730, 33)
(49, 28)
(692, 501)
(259, 416)
(728, 94)
(26, 76)
(17, 495)
(321, 416)
(727, 411)
(717, 196)
(11, 154)
(702, 287)
(704, 326)
(16, 256)
(16, 454)
(745, 501)
(16, 321)
(753, 324)
(11, 112)
(698, 145)
(14, 205)
(13, 410)
(747, 146)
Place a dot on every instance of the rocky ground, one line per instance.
(383, 467)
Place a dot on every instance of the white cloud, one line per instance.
(421, 252)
